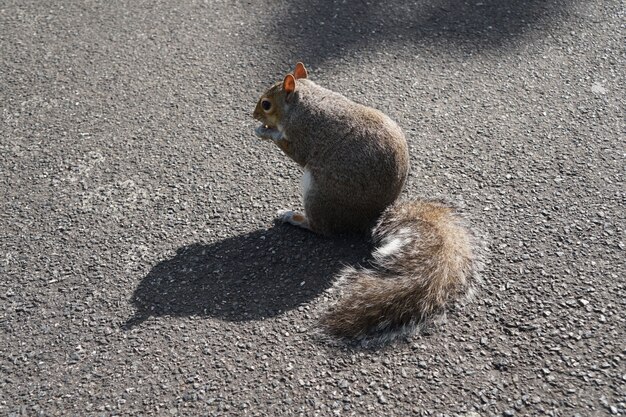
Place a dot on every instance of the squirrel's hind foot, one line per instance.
(295, 218)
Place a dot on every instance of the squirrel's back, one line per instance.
(356, 155)
(325, 118)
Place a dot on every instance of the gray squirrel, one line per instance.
(356, 161)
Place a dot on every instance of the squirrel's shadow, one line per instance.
(248, 277)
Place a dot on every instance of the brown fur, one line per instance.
(435, 266)
(356, 163)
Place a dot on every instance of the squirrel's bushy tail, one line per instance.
(424, 260)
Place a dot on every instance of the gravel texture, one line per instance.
(142, 273)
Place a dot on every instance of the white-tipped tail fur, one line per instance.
(425, 260)
(392, 245)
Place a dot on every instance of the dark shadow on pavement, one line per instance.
(248, 277)
(319, 30)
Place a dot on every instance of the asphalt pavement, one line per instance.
(141, 268)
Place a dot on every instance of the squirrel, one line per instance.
(356, 161)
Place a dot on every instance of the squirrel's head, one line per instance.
(271, 106)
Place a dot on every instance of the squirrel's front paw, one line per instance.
(293, 217)
(266, 132)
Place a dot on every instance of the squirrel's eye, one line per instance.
(266, 104)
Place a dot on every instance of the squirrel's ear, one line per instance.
(300, 71)
(289, 83)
